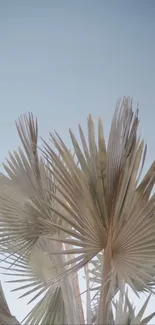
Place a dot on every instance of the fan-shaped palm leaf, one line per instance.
(33, 274)
(106, 207)
(28, 177)
(100, 202)
(21, 197)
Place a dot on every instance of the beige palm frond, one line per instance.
(23, 167)
(6, 318)
(107, 208)
(27, 252)
(23, 191)
(125, 312)
(33, 274)
(49, 310)
(17, 223)
(97, 205)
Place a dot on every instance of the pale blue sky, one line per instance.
(65, 59)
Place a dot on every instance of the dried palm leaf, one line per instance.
(49, 310)
(101, 205)
(106, 207)
(21, 197)
(33, 274)
(22, 193)
(125, 312)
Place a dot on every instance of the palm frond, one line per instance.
(49, 310)
(97, 207)
(124, 312)
(23, 191)
(17, 223)
(33, 274)
(6, 318)
(108, 209)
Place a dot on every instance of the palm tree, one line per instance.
(61, 212)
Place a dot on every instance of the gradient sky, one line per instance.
(65, 59)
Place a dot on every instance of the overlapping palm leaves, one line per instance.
(112, 211)
(22, 236)
(125, 312)
(33, 274)
(87, 203)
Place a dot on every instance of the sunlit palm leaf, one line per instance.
(94, 206)
(21, 198)
(22, 193)
(108, 209)
(125, 312)
(49, 310)
(27, 179)
(33, 274)
(16, 220)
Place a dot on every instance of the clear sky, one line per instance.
(65, 59)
